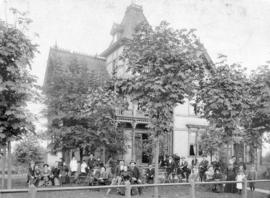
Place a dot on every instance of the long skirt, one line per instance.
(230, 188)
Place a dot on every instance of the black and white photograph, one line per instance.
(135, 98)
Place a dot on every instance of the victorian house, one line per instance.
(185, 138)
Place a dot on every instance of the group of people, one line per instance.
(43, 176)
(131, 174)
(178, 170)
(94, 172)
(234, 171)
(203, 171)
(90, 171)
(237, 171)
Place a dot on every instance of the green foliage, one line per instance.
(163, 65)
(81, 112)
(220, 98)
(17, 85)
(29, 149)
(256, 119)
(211, 140)
(234, 104)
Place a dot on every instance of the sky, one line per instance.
(239, 29)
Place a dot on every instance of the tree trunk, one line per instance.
(3, 167)
(227, 154)
(81, 154)
(103, 155)
(156, 166)
(9, 166)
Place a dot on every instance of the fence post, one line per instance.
(128, 190)
(244, 194)
(32, 191)
(193, 189)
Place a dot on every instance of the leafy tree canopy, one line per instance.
(81, 111)
(235, 103)
(163, 65)
(220, 97)
(256, 119)
(29, 149)
(17, 85)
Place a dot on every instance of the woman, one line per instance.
(231, 175)
(46, 176)
(103, 177)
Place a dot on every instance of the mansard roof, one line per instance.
(61, 58)
(123, 31)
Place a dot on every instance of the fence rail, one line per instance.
(33, 191)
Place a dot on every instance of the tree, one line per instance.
(220, 99)
(29, 149)
(82, 111)
(17, 86)
(234, 104)
(164, 65)
(211, 140)
(256, 119)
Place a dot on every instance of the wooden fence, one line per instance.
(33, 191)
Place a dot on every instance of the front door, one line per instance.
(138, 148)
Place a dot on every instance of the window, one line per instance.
(191, 150)
(195, 147)
(192, 143)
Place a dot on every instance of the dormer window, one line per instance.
(116, 32)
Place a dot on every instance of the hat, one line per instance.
(45, 165)
(132, 161)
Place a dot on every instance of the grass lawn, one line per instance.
(263, 185)
(165, 192)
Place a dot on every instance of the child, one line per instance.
(252, 175)
(239, 178)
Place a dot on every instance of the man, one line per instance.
(117, 175)
(74, 169)
(56, 174)
(203, 168)
(31, 176)
(73, 165)
(170, 167)
(185, 169)
(135, 175)
(91, 162)
(150, 174)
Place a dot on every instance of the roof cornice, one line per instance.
(113, 47)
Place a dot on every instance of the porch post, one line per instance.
(133, 140)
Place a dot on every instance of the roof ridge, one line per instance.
(78, 53)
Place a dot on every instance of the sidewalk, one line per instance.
(262, 191)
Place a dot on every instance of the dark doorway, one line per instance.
(147, 148)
